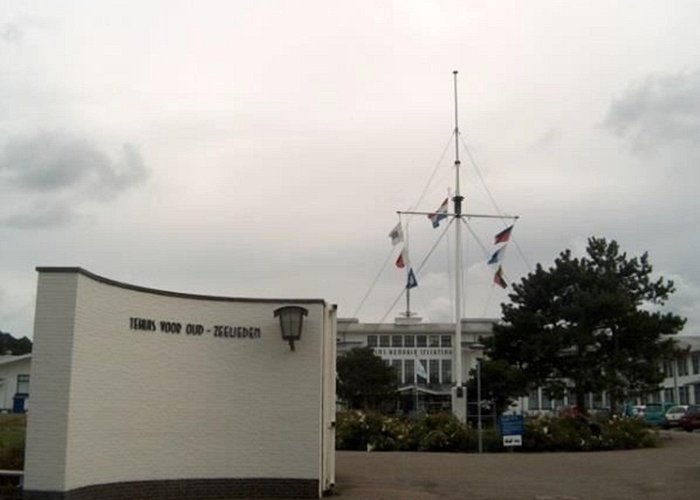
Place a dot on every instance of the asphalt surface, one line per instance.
(670, 471)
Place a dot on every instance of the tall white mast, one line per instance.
(457, 200)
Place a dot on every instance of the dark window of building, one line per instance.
(22, 384)
(396, 365)
(446, 341)
(669, 396)
(668, 369)
(409, 371)
(434, 371)
(384, 341)
(533, 400)
(421, 341)
(396, 341)
(684, 395)
(409, 341)
(372, 340)
(546, 401)
(446, 374)
(682, 368)
(696, 366)
(696, 391)
(434, 341)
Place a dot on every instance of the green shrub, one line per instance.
(357, 430)
(443, 432)
(440, 432)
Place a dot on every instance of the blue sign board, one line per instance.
(512, 425)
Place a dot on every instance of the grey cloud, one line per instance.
(51, 214)
(50, 162)
(50, 176)
(660, 111)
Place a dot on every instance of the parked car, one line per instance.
(654, 412)
(673, 415)
(691, 419)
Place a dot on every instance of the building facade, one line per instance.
(422, 354)
(14, 383)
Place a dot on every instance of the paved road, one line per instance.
(671, 471)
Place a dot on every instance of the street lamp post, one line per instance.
(478, 348)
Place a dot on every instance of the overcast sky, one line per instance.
(262, 148)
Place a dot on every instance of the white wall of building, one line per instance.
(114, 403)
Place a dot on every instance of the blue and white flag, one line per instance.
(411, 281)
(497, 255)
(439, 215)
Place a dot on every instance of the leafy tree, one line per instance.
(586, 325)
(364, 380)
(13, 346)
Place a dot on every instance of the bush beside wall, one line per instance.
(368, 431)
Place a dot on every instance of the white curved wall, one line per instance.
(111, 403)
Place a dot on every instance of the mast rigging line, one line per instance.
(491, 198)
(419, 268)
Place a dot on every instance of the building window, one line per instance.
(668, 369)
(684, 395)
(434, 341)
(22, 384)
(396, 365)
(396, 341)
(371, 340)
(682, 367)
(434, 371)
(696, 363)
(409, 371)
(654, 397)
(546, 401)
(421, 341)
(533, 400)
(446, 371)
(409, 341)
(668, 396)
(384, 341)
(696, 393)
(446, 341)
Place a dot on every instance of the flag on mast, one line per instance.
(498, 278)
(401, 260)
(420, 370)
(411, 282)
(503, 236)
(497, 255)
(396, 234)
(439, 215)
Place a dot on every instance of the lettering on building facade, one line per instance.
(194, 329)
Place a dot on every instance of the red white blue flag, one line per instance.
(498, 278)
(439, 215)
(503, 236)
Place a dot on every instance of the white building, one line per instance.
(421, 353)
(14, 382)
(409, 344)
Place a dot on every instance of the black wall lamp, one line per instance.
(291, 322)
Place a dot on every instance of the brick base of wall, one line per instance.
(186, 489)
